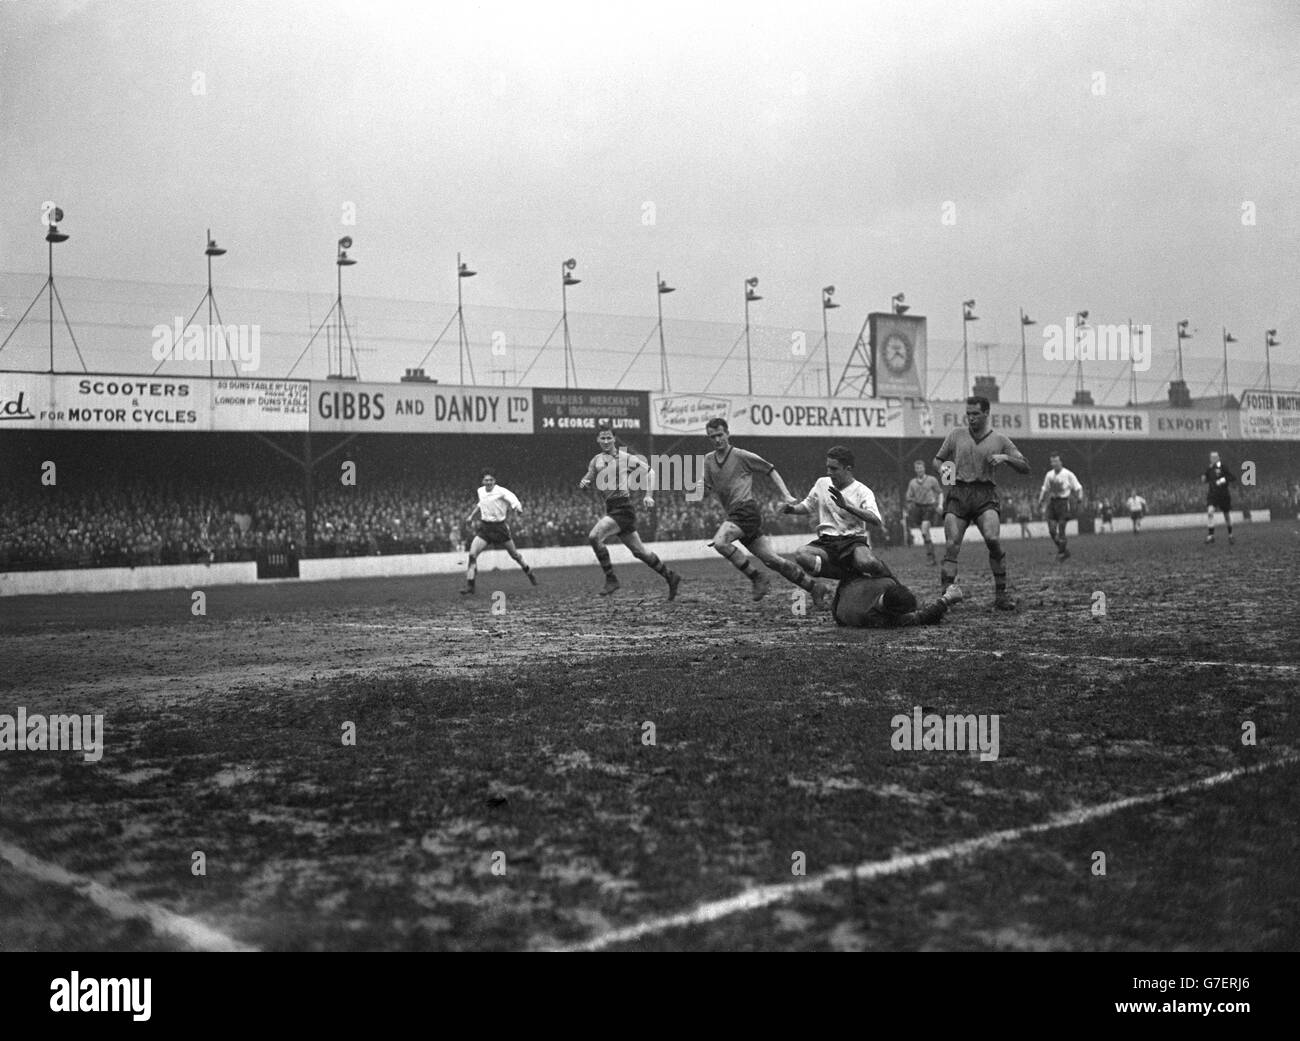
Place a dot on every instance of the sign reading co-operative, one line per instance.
(776, 417)
(418, 408)
(558, 411)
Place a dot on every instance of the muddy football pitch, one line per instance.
(385, 765)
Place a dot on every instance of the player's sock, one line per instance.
(471, 572)
(602, 555)
(930, 614)
(791, 571)
(655, 564)
(998, 565)
(948, 569)
(745, 567)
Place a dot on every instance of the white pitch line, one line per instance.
(121, 906)
(763, 896)
(1101, 657)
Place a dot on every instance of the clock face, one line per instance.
(897, 353)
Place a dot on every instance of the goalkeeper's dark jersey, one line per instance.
(1212, 476)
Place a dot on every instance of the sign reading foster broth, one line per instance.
(1270, 415)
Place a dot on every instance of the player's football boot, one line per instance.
(761, 585)
(1209, 539)
(674, 580)
(1231, 540)
(532, 578)
(1005, 602)
(953, 595)
(820, 594)
(467, 591)
(611, 585)
(1063, 555)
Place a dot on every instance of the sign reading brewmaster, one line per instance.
(560, 410)
(1045, 420)
(411, 408)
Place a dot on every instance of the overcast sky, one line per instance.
(1095, 155)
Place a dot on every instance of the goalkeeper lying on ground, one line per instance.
(881, 601)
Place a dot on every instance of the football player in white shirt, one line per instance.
(495, 505)
(1137, 507)
(846, 514)
(1065, 491)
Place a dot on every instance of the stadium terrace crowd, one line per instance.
(140, 522)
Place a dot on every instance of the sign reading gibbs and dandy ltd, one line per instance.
(413, 408)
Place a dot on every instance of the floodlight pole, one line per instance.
(750, 284)
(662, 288)
(827, 304)
(51, 237)
(462, 273)
(1269, 342)
(566, 280)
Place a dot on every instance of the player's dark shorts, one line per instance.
(1058, 509)
(495, 533)
(1136, 515)
(839, 554)
(917, 513)
(624, 513)
(1219, 500)
(749, 519)
(966, 500)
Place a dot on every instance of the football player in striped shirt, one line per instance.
(1065, 492)
(728, 474)
(496, 503)
(972, 456)
(616, 473)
